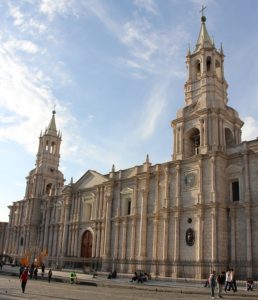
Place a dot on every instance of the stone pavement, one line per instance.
(186, 287)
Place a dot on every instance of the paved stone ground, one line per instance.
(41, 290)
(105, 289)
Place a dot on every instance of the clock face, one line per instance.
(190, 179)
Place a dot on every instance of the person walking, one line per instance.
(233, 276)
(24, 278)
(49, 275)
(228, 284)
(42, 270)
(35, 272)
(212, 281)
(221, 281)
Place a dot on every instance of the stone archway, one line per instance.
(86, 248)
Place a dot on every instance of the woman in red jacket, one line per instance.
(24, 278)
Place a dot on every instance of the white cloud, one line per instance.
(154, 108)
(22, 45)
(17, 15)
(60, 7)
(250, 129)
(148, 5)
(26, 102)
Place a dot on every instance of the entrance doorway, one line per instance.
(86, 249)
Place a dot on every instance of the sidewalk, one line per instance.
(168, 285)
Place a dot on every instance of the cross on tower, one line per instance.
(203, 8)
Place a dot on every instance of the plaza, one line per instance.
(101, 288)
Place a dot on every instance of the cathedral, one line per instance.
(180, 218)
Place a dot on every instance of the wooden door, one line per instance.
(86, 249)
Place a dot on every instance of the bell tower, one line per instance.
(205, 123)
(45, 179)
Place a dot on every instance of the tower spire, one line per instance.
(204, 40)
(51, 129)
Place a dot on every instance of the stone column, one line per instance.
(143, 225)
(155, 239)
(199, 273)
(175, 137)
(101, 203)
(50, 241)
(69, 241)
(98, 240)
(222, 136)
(249, 254)
(166, 187)
(94, 242)
(102, 227)
(246, 175)
(116, 243)
(165, 237)
(54, 244)
(124, 242)
(200, 186)
(76, 240)
(214, 131)
(201, 132)
(107, 227)
(65, 229)
(205, 131)
(213, 183)
(213, 235)
(181, 140)
(178, 185)
(165, 243)
(72, 239)
(45, 241)
(176, 257)
(233, 234)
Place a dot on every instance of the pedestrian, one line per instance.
(24, 279)
(42, 270)
(21, 269)
(234, 285)
(249, 284)
(35, 272)
(221, 281)
(49, 275)
(31, 270)
(1, 265)
(73, 277)
(228, 285)
(212, 281)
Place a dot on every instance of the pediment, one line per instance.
(89, 180)
(126, 191)
(234, 169)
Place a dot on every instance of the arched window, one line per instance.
(126, 204)
(229, 138)
(48, 188)
(47, 146)
(208, 64)
(53, 148)
(192, 142)
(198, 68)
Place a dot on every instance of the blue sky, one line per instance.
(115, 69)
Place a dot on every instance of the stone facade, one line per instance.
(178, 219)
(3, 231)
